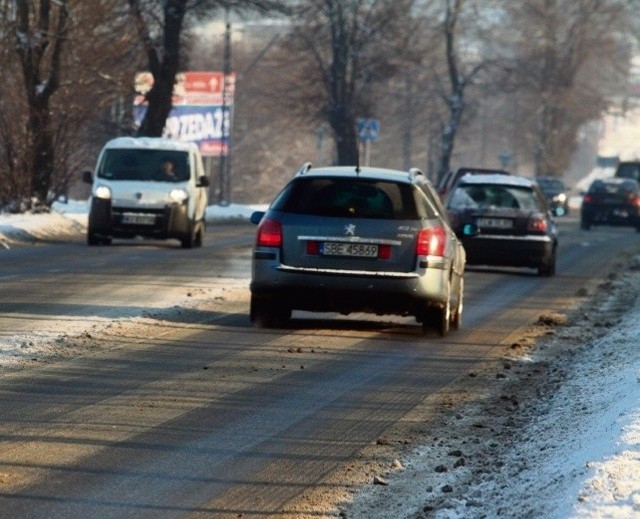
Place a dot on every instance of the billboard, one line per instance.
(201, 110)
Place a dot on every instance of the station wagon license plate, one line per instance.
(358, 250)
(495, 223)
(138, 219)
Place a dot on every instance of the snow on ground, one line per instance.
(561, 439)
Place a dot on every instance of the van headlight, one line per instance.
(102, 192)
(178, 195)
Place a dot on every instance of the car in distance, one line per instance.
(628, 169)
(448, 182)
(556, 193)
(514, 224)
(613, 201)
(357, 239)
(147, 186)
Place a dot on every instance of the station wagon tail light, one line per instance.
(269, 233)
(384, 252)
(431, 242)
(312, 248)
(537, 224)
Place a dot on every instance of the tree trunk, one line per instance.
(43, 150)
(163, 68)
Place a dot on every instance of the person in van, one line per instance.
(168, 171)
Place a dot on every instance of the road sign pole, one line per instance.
(367, 153)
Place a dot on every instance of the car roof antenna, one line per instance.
(358, 165)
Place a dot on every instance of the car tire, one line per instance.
(548, 266)
(92, 239)
(438, 319)
(456, 322)
(188, 241)
(264, 313)
(199, 236)
(585, 225)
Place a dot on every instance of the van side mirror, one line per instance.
(87, 177)
(203, 181)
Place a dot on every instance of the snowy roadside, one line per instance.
(555, 435)
(67, 336)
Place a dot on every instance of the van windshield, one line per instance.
(146, 165)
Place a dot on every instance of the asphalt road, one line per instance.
(200, 415)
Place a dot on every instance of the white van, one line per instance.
(150, 187)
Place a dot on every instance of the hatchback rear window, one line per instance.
(612, 187)
(360, 198)
(473, 196)
(629, 170)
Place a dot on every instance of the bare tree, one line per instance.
(463, 66)
(568, 53)
(160, 28)
(41, 30)
(341, 50)
(62, 65)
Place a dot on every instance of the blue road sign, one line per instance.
(368, 129)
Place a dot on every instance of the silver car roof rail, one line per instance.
(304, 169)
(414, 172)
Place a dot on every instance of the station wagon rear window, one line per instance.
(358, 198)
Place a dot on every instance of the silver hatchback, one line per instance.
(350, 239)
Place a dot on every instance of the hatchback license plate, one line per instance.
(495, 223)
(138, 219)
(358, 250)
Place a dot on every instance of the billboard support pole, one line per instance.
(224, 182)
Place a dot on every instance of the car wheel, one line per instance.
(199, 236)
(585, 225)
(92, 239)
(456, 323)
(438, 319)
(264, 313)
(548, 267)
(189, 240)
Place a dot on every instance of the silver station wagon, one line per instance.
(350, 239)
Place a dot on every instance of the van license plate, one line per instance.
(358, 250)
(138, 219)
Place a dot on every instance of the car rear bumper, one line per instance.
(619, 216)
(508, 251)
(347, 291)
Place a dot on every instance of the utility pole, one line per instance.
(224, 182)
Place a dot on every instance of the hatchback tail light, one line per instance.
(431, 242)
(633, 199)
(537, 224)
(269, 233)
(587, 199)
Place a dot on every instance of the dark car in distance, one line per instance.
(612, 201)
(512, 219)
(556, 193)
(350, 239)
(449, 181)
(628, 169)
